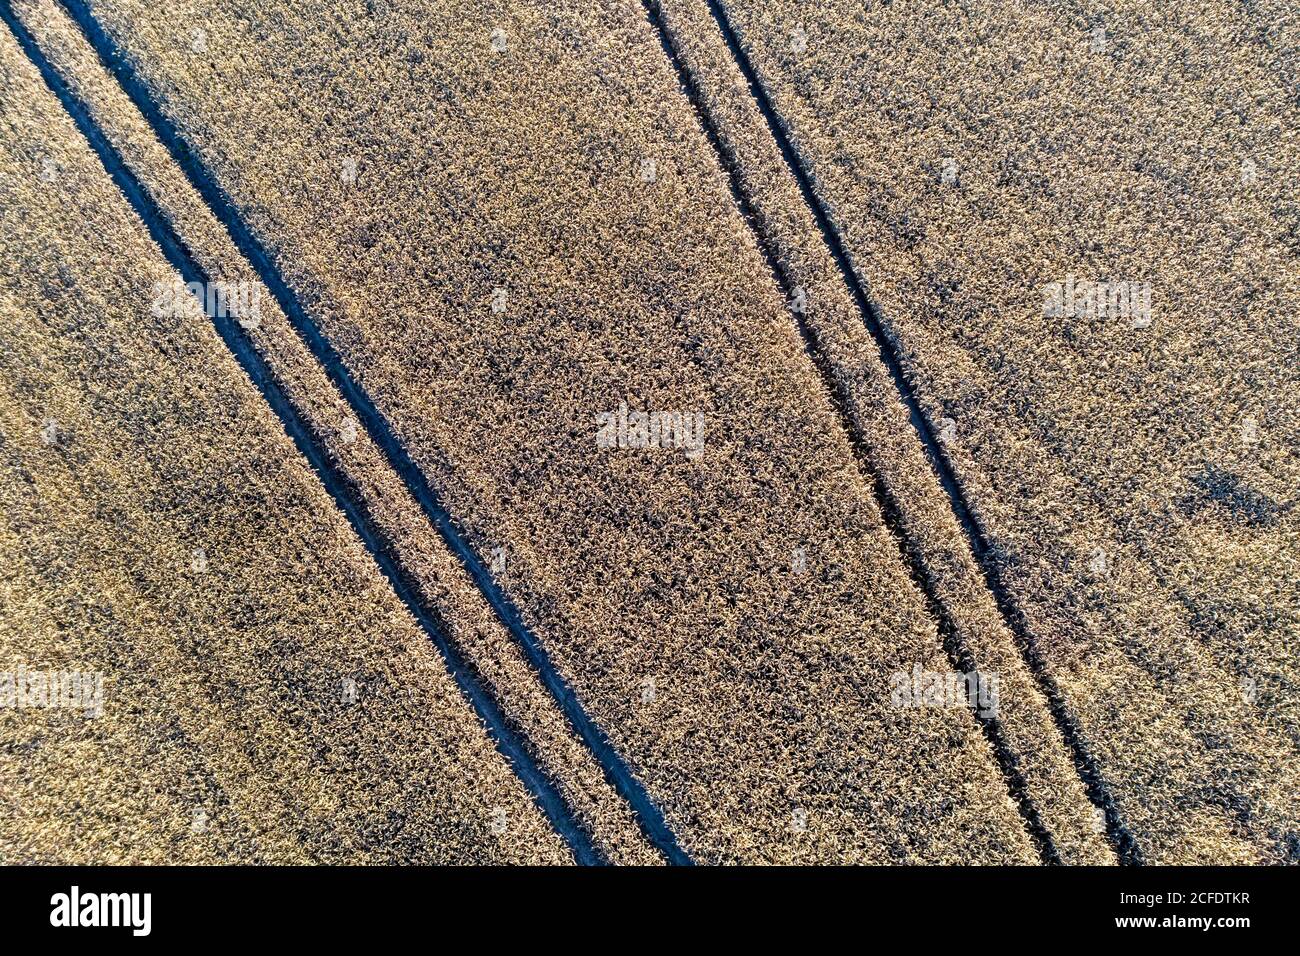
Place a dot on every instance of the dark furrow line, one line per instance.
(1118, 832)
(958, 653)
(616, 771)
(509, 743)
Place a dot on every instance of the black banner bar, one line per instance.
(336, 905)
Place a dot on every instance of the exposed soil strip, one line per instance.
(507, 741)
(616, 771)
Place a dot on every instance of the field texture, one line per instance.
(1130, 450)
(444, 586)
(654, 417)
(264, 697)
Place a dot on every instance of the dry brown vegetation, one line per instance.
(509, 221)
(880, 418)
(1139, 481)
(442, 582)
(745, 696)
(160, 528)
